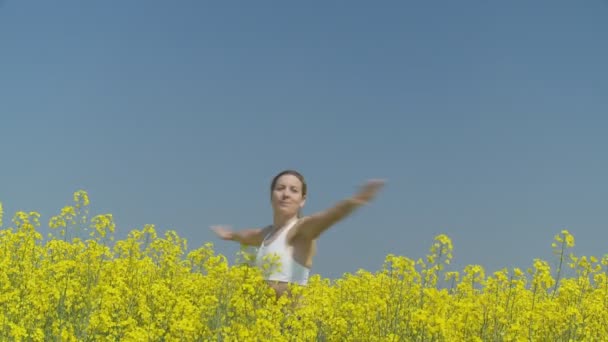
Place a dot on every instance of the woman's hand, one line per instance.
(368, 191)
(224, 232)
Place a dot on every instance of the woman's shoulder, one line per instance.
(300, 224)
(303, 220)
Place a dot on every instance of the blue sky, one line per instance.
(488, 119)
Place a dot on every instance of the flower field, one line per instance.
(80, 284)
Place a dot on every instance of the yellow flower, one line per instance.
(150, 287)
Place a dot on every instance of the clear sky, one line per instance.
(487, 118)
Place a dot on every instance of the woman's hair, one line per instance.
(293, 173)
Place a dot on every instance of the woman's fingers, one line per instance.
(222, 231)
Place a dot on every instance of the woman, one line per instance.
(292, 238)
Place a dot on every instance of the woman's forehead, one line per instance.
(289, 180)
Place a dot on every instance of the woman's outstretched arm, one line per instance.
(250, 237)
(313, 226)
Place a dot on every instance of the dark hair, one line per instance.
(293, 173)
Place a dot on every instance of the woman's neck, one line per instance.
(280, 220)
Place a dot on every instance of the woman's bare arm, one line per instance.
(251, 237)
(313, 226)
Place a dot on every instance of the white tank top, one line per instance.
(287, 269)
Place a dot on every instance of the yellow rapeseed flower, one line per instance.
(151, 287)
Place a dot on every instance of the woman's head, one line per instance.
(288, 192)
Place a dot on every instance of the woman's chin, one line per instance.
(287, 212)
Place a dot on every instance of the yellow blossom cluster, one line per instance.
(78, 284)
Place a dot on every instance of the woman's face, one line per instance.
(287, 197)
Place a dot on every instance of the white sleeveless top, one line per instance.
(287, 270)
